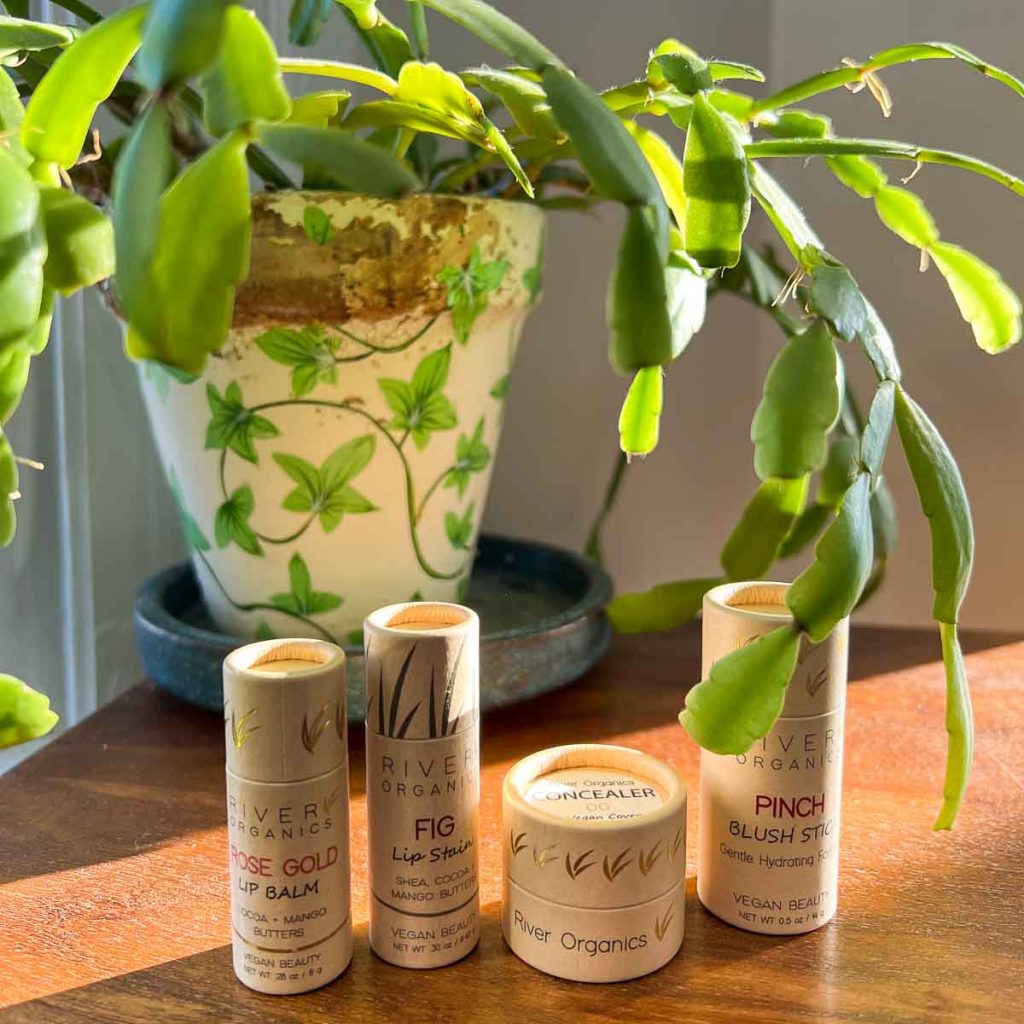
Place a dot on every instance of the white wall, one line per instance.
(100, 520)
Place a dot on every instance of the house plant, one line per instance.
(200, 87)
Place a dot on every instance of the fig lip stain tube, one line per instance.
(769, 819)
(423, 782)
(286, 739)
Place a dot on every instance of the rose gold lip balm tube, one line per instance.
(423, 782)
(288, 831)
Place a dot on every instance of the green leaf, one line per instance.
(754, 544)
(338, 69)
(903, 213)
(431, 375)
(244, 83)
(799, 408)
(143, 168)
(364, 11)
(19, 34)
(641, 412)
(306, 20)
(726, 69)
(14, 366)
(859, 173)
(944, 503)
(878, 427)
(231, 524)
(717, 188)
(346, 462)
(8, 489)
(306, 475)
(341, 158)
(24, 713)
(342, 502)
(468, 290)
(799, 124)
(309, 351)
(685, 71)
(80, 241)
(805, 529)
(459, 529)
(835, 297)
(22, 250)
(526, 101)
(497, 30)
(641, 331)
(959, 727)
(743, 694)
(232, 425)
(662, 607)
(181, 39)
(842, 467)
(878, 346)
(667, 168)
(471, 456)
(829, 588)
(64, 103)
(319, 109)
(787, 218)
(883, 520)
(983, 297)
(317, 225)
(603, 145)
(201, 255)
(302, 599)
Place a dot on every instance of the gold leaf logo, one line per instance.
(311, 733)
(576, 867)
(612, 869)
(646, 861)
(340, 724)
(330, 800)
(677, 844)
(517, 842)
(661, 924)
(240, 729)
(816, 682)
(544, 857)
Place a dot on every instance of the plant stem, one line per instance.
(418, 22)
(593, 546)
(80, 10)
(883, 148)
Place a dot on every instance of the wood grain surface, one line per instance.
(114, 885)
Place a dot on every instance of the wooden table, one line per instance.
(114, 893)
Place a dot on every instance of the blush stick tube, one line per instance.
(423, 782)
(769, 819)
(288, 824)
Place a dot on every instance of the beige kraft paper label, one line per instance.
(423, 808)
(288, 854)
(595, 794)
(769, 828)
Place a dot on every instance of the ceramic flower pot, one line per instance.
(335, 454)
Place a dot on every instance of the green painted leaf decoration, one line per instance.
(63, 105)
(310, 351)
(459, 529)
(800, 406)
(500, 388)
(24, 713)
(641, 412)
(469, 288)
(754, 543)
(194, 536)
(232, 425)
(985, 301)
(717, 188)
(943, 501)
(302, 599)
(471, 456)
(231, 524)
(264, 632)
(317, 225)
(959, 727)
(743, 694)
(665, 606)
(244, 83)
(830, 587)
(327, 492)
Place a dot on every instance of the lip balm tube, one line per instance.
(288, 819)
(423, 782)
(769, 819)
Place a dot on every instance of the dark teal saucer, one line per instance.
(541, 616)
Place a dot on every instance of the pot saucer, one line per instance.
(541, 612)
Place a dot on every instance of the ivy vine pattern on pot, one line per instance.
(405, 412)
